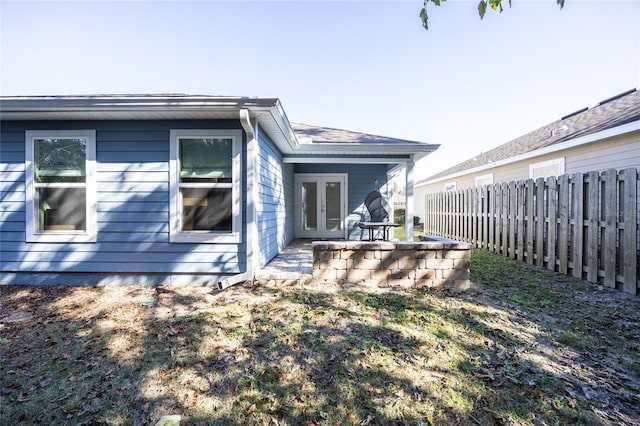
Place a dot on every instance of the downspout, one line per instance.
(245, 120)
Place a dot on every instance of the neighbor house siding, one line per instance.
(275, 200)
(615, 153)
(132, 206)
(361, 180)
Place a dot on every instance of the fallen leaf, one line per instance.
(252, 409)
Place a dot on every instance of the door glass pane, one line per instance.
(333, 219)
(309, 206)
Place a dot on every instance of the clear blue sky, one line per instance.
(368, 66)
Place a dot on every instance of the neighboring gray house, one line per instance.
(604, 136)
(175, 189)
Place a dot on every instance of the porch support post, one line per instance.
(408, 212)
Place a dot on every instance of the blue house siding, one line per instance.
(361, 181)
(132, 206)
(275, 200)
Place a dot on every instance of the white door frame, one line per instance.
(321, 232)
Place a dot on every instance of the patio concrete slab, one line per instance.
(294, 265)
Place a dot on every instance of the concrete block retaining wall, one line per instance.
(425, 264)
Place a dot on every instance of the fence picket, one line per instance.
(563, 226)
(629, 241)
(552, 228)
(593, 226)
(521, 228)
(577, 242)
(610, 230)
(530, 218)
(512, 220)
(540, 222)
(584, 224)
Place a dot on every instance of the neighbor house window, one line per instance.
(451, 186)
(484, 179)
(60, 186)
(205, 167)
(545, 169)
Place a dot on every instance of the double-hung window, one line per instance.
(205, 185)
(60, 186)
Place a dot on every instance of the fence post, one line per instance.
(629, 241)
(512, 220)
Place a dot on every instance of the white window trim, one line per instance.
(450, 186)
(175, 205)
(32, 234)
(556, 161)
(488, 176)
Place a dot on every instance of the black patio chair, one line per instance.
(378, 216)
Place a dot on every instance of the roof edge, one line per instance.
(582, 140)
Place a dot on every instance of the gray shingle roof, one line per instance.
(320, 135)
(615, 111)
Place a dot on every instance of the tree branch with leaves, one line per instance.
(482, 8)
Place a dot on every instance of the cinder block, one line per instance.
(371, 264)
(357, 275)
(378, 275)
(338, 264)
(322, 255)
(439, 263)
(401, 274)
(425, 274)
(425, 254)
(371, 254)
(407, 262)
(456, 254)
(346, 254)
(388, 263)
(325, 274)
(383, 254)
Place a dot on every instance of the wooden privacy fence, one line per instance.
(584, 224)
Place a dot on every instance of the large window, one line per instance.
(205, 185)
(60, 186)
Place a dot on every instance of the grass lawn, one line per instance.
(522, 347)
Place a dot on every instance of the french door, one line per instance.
(320, 205)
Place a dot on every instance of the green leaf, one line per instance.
(482, 8)
(424, 18)
(494, 4)
(560, 3)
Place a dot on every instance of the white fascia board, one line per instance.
(345, 160)
(358, 149)
(582, 140)
(107, 107)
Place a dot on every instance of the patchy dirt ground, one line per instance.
(522, 347)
